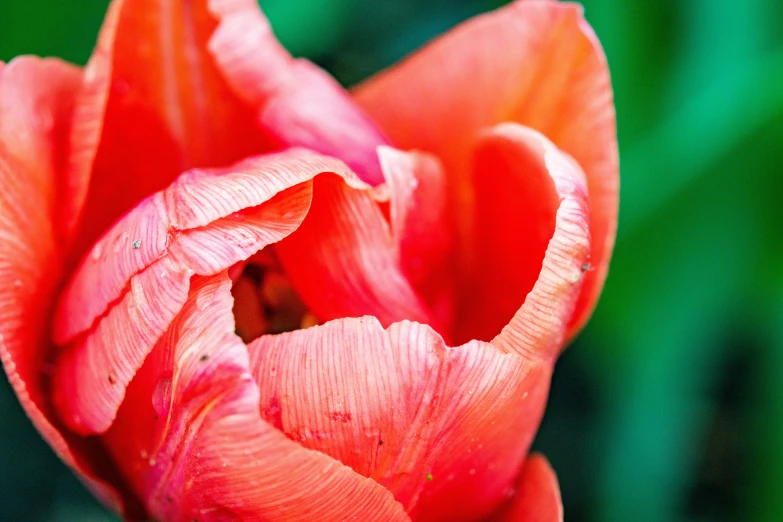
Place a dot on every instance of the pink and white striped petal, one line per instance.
(132, 283)
(444, 429)
(191, 437)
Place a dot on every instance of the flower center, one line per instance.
(265, 302)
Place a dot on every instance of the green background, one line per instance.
(669, 407)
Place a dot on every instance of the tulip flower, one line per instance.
(232, 290)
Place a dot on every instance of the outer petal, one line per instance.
(36, 97)
(536, 495)
(134, 281)
(294, 100)
(535, 62)
(444, 429)
(191, 437)
(153, 105)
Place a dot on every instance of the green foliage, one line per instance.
(670, 405)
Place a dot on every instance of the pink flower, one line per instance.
(178, 217)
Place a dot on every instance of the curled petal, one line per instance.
(191, 436)
(535, 62)
(444, 429)
(506, 226)
(540, 326)
(135, 279)
(536, 495)
(36, 98)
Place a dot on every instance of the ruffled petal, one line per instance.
(536, 495)
(535, 62)
(36, 98)
(294, 100)
(135, 279)
(444, 429)
(540, 326)
(153, 104)
(190, 435)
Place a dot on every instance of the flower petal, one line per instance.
(36, 98)
(540, 326)
(191, 437)
(294, 100)
(153, 105)
(537, 495)
(444, 429)
(509, 223)
(133, 282)
(344, 260)
(535, 62)
(421, 219)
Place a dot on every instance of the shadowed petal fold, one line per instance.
(36, 99)
(191, 437)
(135, 279)
(444, 429)
(535, 62)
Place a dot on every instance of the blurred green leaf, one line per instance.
(664, 350)
(310, 28)
(765, 503)
(693, 141)
(48, 28)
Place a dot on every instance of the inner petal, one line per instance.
(344, 260)
(462, 263)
